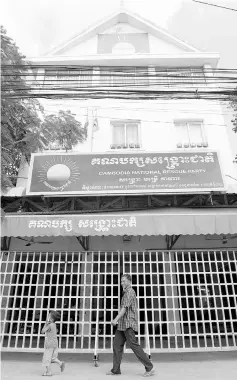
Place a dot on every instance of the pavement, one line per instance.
(169, 366)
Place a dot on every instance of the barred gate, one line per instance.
(187, 300)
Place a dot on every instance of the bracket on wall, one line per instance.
(84, 241)
(171, 240)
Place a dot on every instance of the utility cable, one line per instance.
(215, 5)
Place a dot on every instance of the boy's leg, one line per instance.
(55, 359)
(138, 351)
(47, 357)
(118, 345)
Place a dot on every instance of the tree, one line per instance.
(24, 129)
(63, 129)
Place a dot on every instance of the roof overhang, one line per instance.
(162, 60)
(163, 221)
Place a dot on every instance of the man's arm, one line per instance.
(120, 315)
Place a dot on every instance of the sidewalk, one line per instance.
(186, 366)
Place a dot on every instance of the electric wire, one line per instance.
(215, 5)
(117, 82)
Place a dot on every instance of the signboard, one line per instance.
(131, 173)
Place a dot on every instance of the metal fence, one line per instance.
(187, 300)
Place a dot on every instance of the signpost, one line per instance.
(124, 173)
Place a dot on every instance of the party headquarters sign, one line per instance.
(124, 173)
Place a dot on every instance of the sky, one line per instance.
(38, 25)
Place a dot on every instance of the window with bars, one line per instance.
(68, 78)
(125, 134)
(190, 134)
(124, 77)
(188, 77)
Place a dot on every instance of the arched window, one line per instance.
(123, 48)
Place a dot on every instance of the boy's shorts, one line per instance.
(50, 354)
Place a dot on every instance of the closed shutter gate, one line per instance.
(186, 299)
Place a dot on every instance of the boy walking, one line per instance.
(127, 323)
(51, 344)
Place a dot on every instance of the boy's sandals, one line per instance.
(62, 366)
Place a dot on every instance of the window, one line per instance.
(68, 78)
(188, 77)
(123, 48)
(125, 134)
(124, 76)
(190, 134)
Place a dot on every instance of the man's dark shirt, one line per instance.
(130, 318)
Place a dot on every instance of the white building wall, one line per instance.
(158, 46)
(115, 243)
(88, 47)
(123, 27)
(157, 130)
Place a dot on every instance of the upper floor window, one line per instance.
(190, 134)
(124, 76)
(68, 77)
(125, 134)
(188, 77)
(123, 48)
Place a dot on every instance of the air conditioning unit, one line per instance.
(193, 145)
(205, 145)
(179, 145)
(186, 145)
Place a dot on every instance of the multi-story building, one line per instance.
(149, 193)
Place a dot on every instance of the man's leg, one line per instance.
(138, 351)
(118, 345)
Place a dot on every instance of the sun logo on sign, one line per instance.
(59, 172)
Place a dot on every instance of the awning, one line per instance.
(151, 222)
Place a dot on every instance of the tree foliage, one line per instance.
(63, 129)
(24, 127)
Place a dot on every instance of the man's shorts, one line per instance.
(50, 354)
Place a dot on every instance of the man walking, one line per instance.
(127, 323)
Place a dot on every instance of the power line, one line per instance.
(158, 108)
(118, 82)
(153, 120)
(214, 5)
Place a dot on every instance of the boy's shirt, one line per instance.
(51, 340)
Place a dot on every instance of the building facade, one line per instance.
(151, 192)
